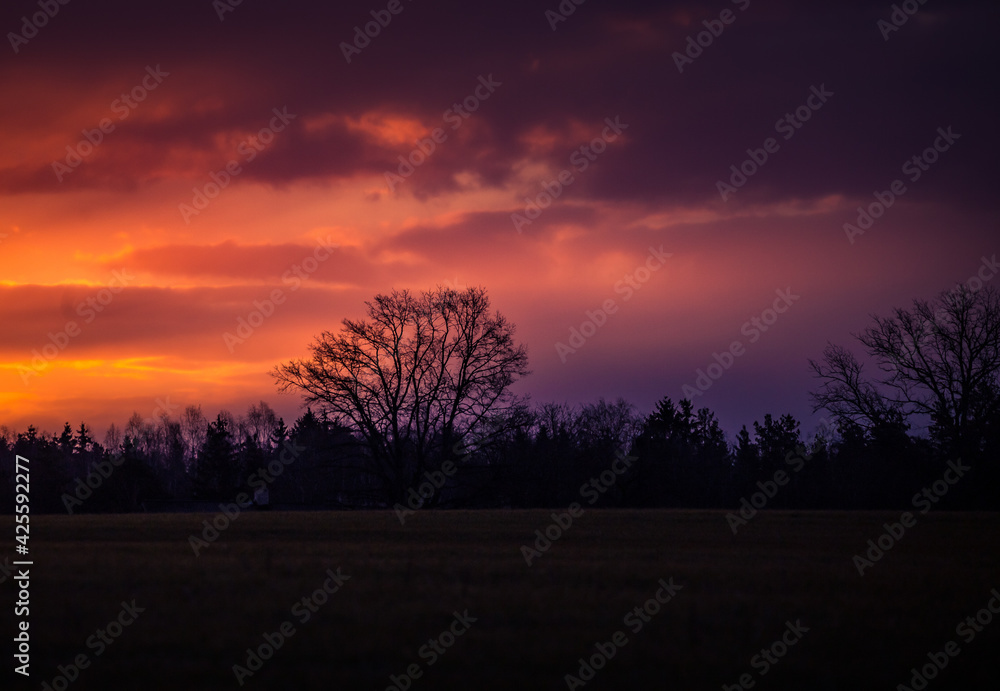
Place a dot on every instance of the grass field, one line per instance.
(532, 623)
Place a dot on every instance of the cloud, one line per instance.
(686, 129)
(450, 219)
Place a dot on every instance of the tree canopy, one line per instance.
(419, 376)
(939, 360)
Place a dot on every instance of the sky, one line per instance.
(633, 183)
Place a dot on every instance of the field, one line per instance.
(532, 624)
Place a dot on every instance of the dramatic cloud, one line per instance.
(211, 156)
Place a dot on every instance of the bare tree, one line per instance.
(146, 435)
(847, 394)
(556, 419)
(940, 360)
(194, 430)
(259, 424)
(113, 438)
(415, 379)
(614, 425)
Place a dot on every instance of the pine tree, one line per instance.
(217, 474)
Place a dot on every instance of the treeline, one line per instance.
(550, 456)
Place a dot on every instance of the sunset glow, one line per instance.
(155, 193)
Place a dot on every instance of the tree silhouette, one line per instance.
(415, 379)
(683, 458)
(939, 361)
(216, 472)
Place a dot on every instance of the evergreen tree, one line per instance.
(217, 475)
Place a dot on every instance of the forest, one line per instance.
(411, 409)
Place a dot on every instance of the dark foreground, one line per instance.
(738, 595)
